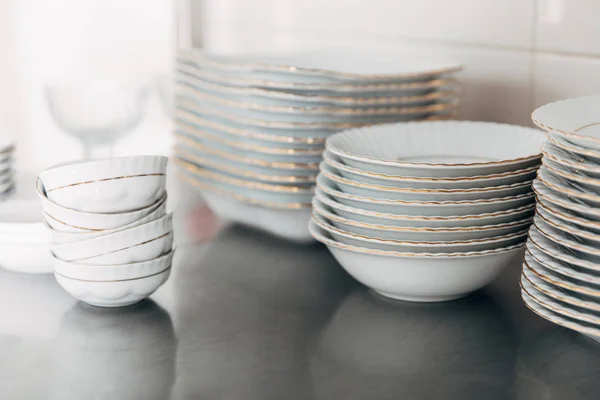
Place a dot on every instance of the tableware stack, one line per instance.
(427, 211)
(112, 239)
(561, 272)
(6, 171)
(24, 241)
(251, 129)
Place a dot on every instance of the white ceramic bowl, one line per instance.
(79, 172)
(67, 220)
(21, 221)
(111, 196)
(113, 294)
(345, 237)
(58, 237)
(114, 242)
(574, 119)
(420, 277)
(29, 258)
(113, 272)
(463, 182)
(409, 194)
(439, 149)
(418, 234)
(407, 221)
(429, 208)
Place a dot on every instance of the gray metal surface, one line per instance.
(247, 316)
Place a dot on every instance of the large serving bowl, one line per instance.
(362, 215)
(420, 276)
(411, 233)
(462, 182)
(442, 149)
(424, 208)
(68, 220)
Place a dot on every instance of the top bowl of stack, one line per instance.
(116, 185)
(427, 211)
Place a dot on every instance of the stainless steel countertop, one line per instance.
(247, 316)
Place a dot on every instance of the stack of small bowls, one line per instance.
(251, 129)
(427, 211)
(6, 171)
(112, 238)
(561, 272)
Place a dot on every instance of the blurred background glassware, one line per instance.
(98, 114)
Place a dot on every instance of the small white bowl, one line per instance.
(420, 277)
(141, 252)
(407, 221)
(346, 237)
(409, 194)
(114, 242)
(462, 182)
(58, 237)
(67, 220)
(424, 208)
(113, 272)
(29, 258)
(418, 234)
(439, 149)
(113, 293)
(78, 172)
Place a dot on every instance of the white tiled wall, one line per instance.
(518, 54)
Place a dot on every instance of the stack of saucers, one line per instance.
(561, 272)
(6, 171)
(427, 211)
(251, 129)
(111, 235)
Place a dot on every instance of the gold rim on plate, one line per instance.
(186, 156)
(204, 173)
(571, 176)
(562, 256)
(350, 182)
(102, 180)
(240, 198)
(561, 270)
(195, 132)
(569, 244)
(561, 284)
(194, 119)
(389, 253)
(571, 149)
(123, 249)
(244, 160)
(392, 228)
(188, 78)
(572, 134)
(569, 230)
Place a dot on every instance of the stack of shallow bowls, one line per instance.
(427, 211)
(251, 129)
(561, 272)
(6, 172)
(111, 235)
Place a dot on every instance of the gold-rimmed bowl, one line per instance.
(107, 186)
(404, 246)
(410, 194)
(411, 221)
(424, 208)
(462, 182)
(408, 276)
(68, 220)
(569, 245)
(417, 234)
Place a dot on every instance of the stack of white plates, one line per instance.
(427, 211)
(112, 238)
(251, 129)
(6, 171)
(561, 273)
